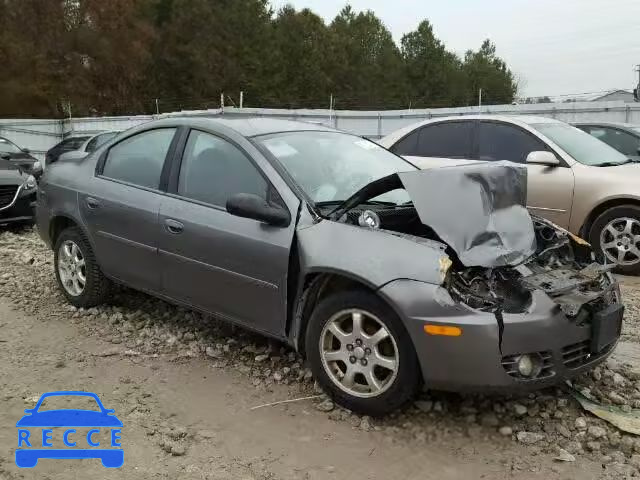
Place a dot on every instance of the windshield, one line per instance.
(580, 145)
(332, 166)
(7, 147)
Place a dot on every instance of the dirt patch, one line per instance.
(186, 384)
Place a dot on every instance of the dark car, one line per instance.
(18, 156)
(624, 137)
(17, 194)
(383, 275)
(77, 146)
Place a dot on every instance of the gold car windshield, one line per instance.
(580, 145)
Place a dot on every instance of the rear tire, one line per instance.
(95, 287)
(615, 235)
(373, 370)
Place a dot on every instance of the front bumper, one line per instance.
(477, 360)
(22, 210)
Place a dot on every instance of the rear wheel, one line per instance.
(361, 354)
(615, 235)
(77, 271)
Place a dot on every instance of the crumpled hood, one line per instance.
(478, 209)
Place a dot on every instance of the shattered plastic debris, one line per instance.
(626, 421)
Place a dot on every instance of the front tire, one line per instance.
(77, 271)
(361, 354)
(615, 236)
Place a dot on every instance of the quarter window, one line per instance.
(213, 170)
(139, 159)
(499, 141)
(447, 140)
(408, 145)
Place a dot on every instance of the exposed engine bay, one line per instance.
(499, 253)
(563, 266)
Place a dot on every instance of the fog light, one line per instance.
(526, 365)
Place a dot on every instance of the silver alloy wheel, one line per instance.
(72, 268)
(359, 353)
(619, 241)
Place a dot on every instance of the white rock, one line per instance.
(564, 456)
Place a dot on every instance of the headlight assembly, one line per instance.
(30, 183)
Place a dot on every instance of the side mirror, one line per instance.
(543, 158)
(26, 150)
(5, 156)
(73, 155)
(36, 170)
(252, 206)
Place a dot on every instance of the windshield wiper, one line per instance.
(368, 202)
(616, 164)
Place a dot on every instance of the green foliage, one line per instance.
(97, 57)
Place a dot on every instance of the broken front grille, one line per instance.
(576, 354)
(510, 365)
(7, 194)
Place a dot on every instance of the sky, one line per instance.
(554, 47)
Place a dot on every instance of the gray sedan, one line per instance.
(385, 276)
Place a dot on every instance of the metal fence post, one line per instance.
(627, 114)
(379, 125)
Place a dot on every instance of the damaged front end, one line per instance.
(582, 297)
(563, 267)
(532, 305)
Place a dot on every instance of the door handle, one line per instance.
(173, 226)
(92, 203)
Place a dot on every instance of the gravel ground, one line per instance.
(549, 423)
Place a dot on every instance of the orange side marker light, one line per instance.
(445, 330)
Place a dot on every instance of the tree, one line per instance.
(117, 56)
(484, 70)
(112, 42)
(433, 74)
(33, 55)
(204, 48)
(366, 65)
(298, 69)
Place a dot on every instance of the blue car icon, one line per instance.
(68, 418)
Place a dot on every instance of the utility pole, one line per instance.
(479, 99)
(331, 108)
(241, 99)
(157, 107)
(222, 102)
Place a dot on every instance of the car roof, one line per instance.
(250, 126)
(392, 138)
(609, 124)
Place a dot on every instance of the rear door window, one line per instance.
(502, 141)
(139, 159)
(446, 140)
